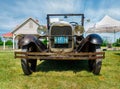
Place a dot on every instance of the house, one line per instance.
(29, 26)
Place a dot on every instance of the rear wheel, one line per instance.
(95, 65)
(28, 65)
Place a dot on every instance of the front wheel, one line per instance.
(28, 65)
(95, 65)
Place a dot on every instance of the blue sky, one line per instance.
(14, 12)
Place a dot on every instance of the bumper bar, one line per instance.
(61, 56)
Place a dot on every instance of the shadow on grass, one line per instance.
(117, 54)
(53, 65)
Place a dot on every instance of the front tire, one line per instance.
(95, 65)
(28, 65)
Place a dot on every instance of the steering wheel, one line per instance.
(74, 23)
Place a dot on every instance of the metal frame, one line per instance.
(49, 15)
(60, 56)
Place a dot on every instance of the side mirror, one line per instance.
(42, 30)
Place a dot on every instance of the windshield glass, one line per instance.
(69, 19)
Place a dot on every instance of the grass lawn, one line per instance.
(60, 74)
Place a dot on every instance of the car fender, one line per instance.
(94, 39)
(31, 39)
(27, 39)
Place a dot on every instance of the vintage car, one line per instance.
(64, 41)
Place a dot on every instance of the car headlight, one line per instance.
(78, 30)
(42, 31)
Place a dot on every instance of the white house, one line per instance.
(30, 26)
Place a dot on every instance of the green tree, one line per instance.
(117, 43)
(105, 42)
(9, 42)
(1, 42)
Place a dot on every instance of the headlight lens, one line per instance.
(42, 31)
(79, 30)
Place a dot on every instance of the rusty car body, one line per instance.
(65, 41)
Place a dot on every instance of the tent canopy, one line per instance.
(108, 21)
(106, 25)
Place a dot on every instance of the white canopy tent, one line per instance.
(106, 25)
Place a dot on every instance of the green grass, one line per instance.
(60, 74)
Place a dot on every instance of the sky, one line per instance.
(14, 12)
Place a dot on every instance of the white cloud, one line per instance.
(38, 7)
(59, 7)
(12, 15)
(114, 12)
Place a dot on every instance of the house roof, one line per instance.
(7, 35)
(24, 23)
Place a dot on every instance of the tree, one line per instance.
(117, 43)
(105, 42)
(1, 42)
(9, 42)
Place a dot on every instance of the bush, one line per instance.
(45, 41)
(9, 42)
(105, 42)
(1, 42)
(117, 43)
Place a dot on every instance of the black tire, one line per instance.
(95, 65)
(90, 63)
(28, 65)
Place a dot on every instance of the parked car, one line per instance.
(64, 41)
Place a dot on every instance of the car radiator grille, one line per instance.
(61, 37)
